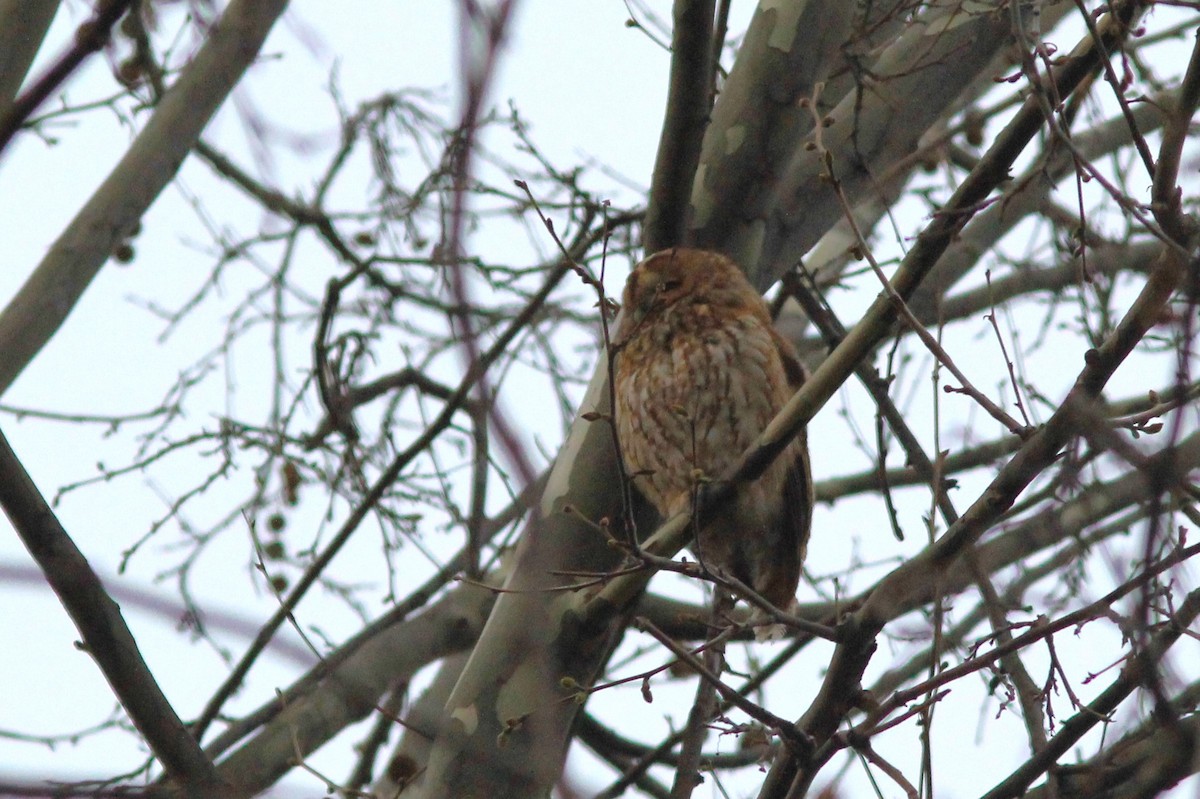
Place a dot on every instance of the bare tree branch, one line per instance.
(50, 293)
(105, 635)
(89, 38)
(23, 26)
(689, 99)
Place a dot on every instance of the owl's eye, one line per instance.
(667, 285)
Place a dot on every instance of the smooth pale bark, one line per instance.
(689, 98)
(908, 88)
(41, 306)
(758, 120)
(831, 254)
(760, 193)
(506, 726)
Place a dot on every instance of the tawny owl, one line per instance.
(699, 373)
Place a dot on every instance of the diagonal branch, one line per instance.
(106, 637)
(42, 305)
(89, 38)
(23, 27)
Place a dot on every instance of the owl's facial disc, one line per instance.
(658, 283)
(650, 291)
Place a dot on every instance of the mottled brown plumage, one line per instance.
(699, 373)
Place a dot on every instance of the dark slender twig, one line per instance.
(720, 33)
(1110, 75)
(662, 750)
(794, 737)
(887, 768)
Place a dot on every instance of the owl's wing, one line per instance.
(798, 487)
(792, 368)
(798, 498)
(775, 561)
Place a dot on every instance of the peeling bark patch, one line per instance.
(734, 138)
(702, 199)
(520, 694)
(467, 716)
(558, 484)
(787, 19)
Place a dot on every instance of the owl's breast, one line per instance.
(695, 390)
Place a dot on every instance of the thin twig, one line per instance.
(795, 739)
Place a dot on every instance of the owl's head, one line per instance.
(677, 274)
